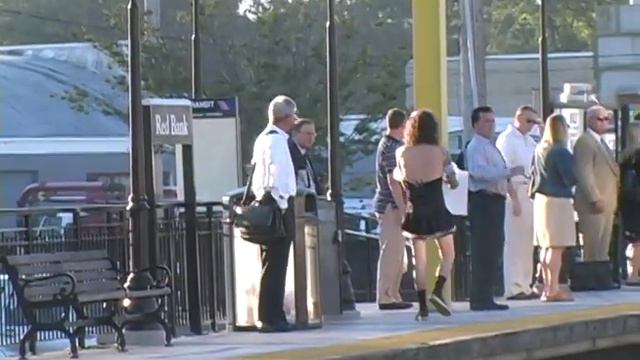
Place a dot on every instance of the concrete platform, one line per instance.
(529, 330)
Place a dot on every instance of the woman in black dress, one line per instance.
(423, 166)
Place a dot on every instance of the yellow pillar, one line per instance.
(430, 81)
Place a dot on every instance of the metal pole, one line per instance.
(191, 246)
(471, 49)
(335, 174)
(196, 68)
(335, 167)
(545, 96)
(138, 205)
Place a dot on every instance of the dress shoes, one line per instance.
(490, 306)
(395, 306)
(280, 327)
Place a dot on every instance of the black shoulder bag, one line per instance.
(259, 221)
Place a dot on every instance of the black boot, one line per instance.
(423, 313)
(436, 298)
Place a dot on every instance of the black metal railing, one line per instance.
(362, 249)
(45, 230)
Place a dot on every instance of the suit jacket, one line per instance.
(300, 163)
(597, 174)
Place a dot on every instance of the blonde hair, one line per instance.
(633, 139)
(555, 131)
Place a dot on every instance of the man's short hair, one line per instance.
(280, 108)
(475, 114)
(300, 123)
(395, 118)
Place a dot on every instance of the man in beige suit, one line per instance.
(597, 190)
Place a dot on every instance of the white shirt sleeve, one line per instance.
(273, 169)
(504, 146)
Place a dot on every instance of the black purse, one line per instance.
(259, 221)
(591, 275)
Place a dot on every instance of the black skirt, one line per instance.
(428, 216)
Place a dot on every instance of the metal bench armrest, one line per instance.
(64, 293)
(150, 270)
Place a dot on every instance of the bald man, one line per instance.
(596, 197)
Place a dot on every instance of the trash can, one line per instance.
(330, 265)
(306, 262)
(302, 290)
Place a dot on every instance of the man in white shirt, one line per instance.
(274, 180)
(596, 197)
(517, 148)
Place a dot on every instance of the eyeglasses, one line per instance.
(604, 119)
(532, 121)
(309, 133)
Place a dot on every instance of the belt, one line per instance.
(487, 193)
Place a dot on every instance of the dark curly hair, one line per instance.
(421, 128)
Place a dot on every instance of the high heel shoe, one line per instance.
(440, 305)
(423, 312)
(422, 315)
(436, 298)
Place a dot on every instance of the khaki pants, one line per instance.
(596, 233)
(392, 254)
(518, 245)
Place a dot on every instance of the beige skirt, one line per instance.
(553, 221)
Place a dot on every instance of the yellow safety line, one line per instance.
(454, 333)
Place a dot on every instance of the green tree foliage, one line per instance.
(278, 46)
(513, 26)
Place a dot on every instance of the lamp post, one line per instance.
(335, 167)
(138, 205)
(196, 64)
(191, 237)
(335, 175)
(545, 97)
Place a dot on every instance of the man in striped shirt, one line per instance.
(389, 213)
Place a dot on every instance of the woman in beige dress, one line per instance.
(553, 216)
(421, 169)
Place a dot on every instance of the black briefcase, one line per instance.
(591, 275)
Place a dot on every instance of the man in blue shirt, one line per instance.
(488, 185)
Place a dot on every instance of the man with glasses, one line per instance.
(303, 136)
(274, 182)
(596, 197)
(517, 148)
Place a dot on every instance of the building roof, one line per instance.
(60, 90)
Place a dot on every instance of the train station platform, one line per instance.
(529, 330)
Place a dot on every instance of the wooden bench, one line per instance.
(70, 281)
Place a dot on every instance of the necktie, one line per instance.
(309, 171)
(606, 147)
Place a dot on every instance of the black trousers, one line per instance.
(275, 258)
(486, 217)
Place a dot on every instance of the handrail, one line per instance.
(361, 235)
(118, 206)
(38, 210)
(361, 216)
